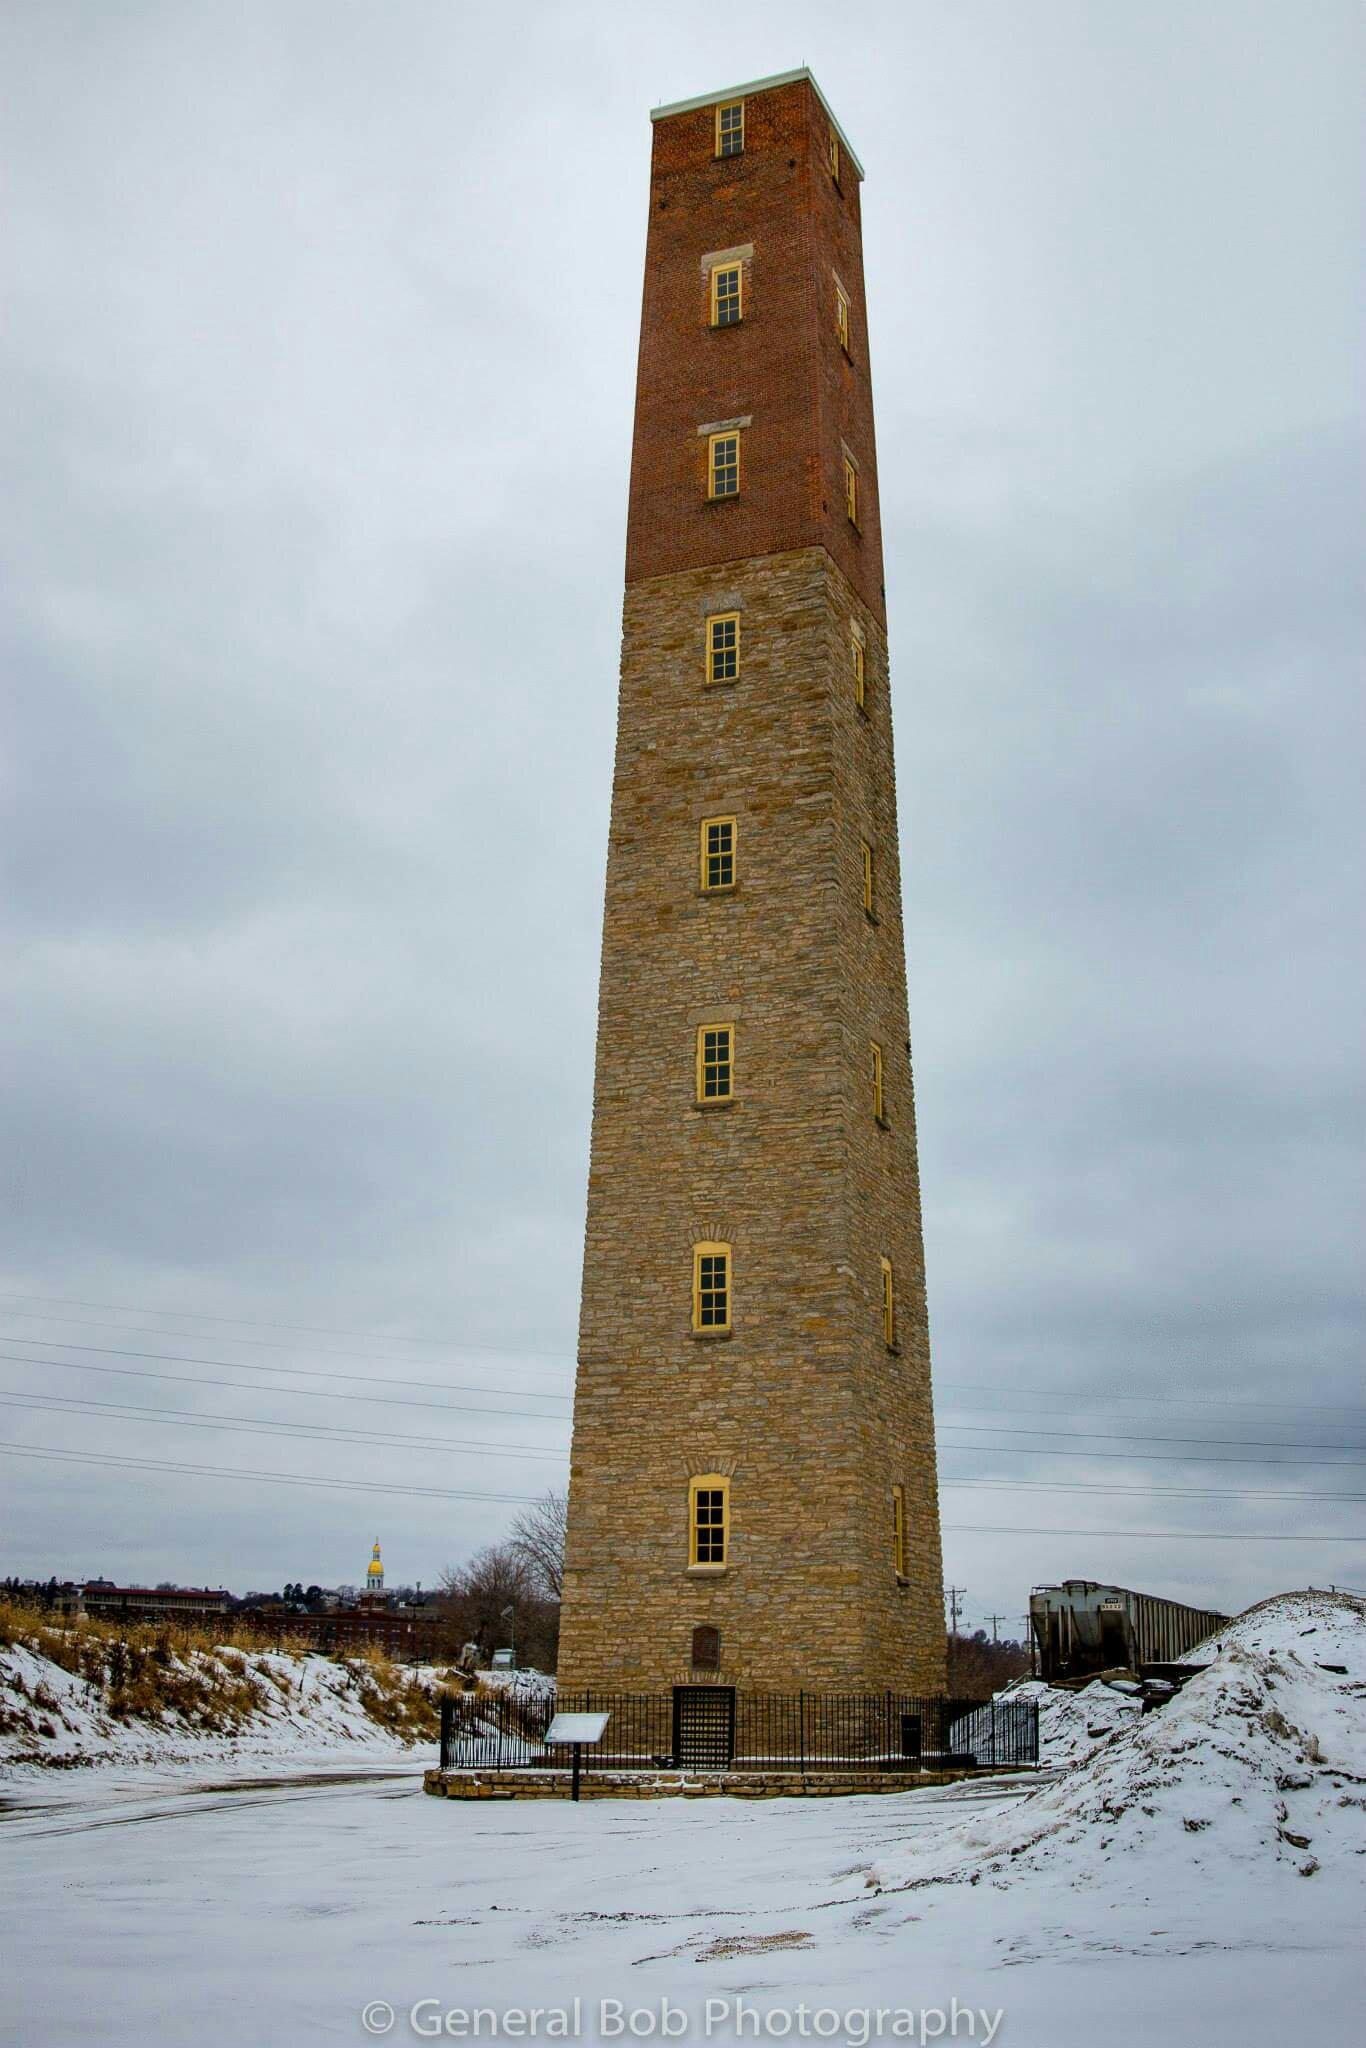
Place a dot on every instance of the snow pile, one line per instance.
(206, 1703)
(1258, 1765)
(1071, 1724)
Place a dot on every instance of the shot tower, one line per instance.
(753, 1500)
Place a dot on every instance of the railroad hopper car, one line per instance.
(1082, 1627)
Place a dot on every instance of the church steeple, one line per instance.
(374, 1571)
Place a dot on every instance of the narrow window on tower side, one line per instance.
(866, 858)
(708, 1520)
(723, 647)
(842, 318)
(723, 465)
(718, 854)
(730, 128)
(851, 491)
(715, 1062)
(888, 1306)
(727, 295)
(899, 1531)
(879, 1107)
(834, 159)
(711, 1288)
(858, 661)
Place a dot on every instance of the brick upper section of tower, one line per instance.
(781, 209)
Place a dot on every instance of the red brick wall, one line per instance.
(782, 364)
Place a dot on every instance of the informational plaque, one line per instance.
(577, 1728)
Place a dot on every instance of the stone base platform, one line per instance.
(472, 1783)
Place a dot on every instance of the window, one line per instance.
(711, 1287)
(835, 159)
(715, 1062)
(888, 1306)
(723, 466)
(723, 647)
(842, 318)
(730, 129)
(899, 1531)
(708, 1516)
(718, 853)
(725, 295)
(878, 1111)
(858, 659)
(851, 491)
(866, 856)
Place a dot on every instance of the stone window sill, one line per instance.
(902, 1581)
(893, 1351)
(883, 1123)
(707, 1571)
(731, 889)
(871, 915)
(723, 1102)
(711, 1336)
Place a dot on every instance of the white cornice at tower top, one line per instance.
(758, 85)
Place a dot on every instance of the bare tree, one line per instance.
(475, 1598)
(538, 1540)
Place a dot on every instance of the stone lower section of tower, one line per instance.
(803, 1406)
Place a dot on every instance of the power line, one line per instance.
(960, 1428)
(294, 1371)
(265, 1343)
(191, 1315)
(49, 1453)
(456, 1408)
(528, 1351)
(1176, 1535)
(1116, 1436)
(261, 1425)
(329, 1433)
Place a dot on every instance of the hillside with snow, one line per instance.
(202, 1705)
(1253, 1775)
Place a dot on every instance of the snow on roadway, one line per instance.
(1197, 1875)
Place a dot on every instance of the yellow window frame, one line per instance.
(712, 1265)
(835, 158)
(851, 491)
(718, 888)
(714, 442)
(899, 1531)
(723, 644)
(718, 271)
(858, 659)
(716, 1062)
(704, 1536)
(878, 1107)
(866, 858)
(888, 1304)
(730, 132)
(842, 317)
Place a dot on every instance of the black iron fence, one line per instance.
(718, 1728)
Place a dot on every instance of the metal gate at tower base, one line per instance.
(717, 1728)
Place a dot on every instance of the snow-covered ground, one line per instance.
(1197, 1873)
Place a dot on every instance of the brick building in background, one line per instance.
(753, 1499)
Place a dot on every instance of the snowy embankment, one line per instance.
(1254, 1775)
(81, 1696)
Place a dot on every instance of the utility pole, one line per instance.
(993, 1619)
(955, 1595)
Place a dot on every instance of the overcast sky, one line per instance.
(318, 375)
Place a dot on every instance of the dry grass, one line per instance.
(214, 1679)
